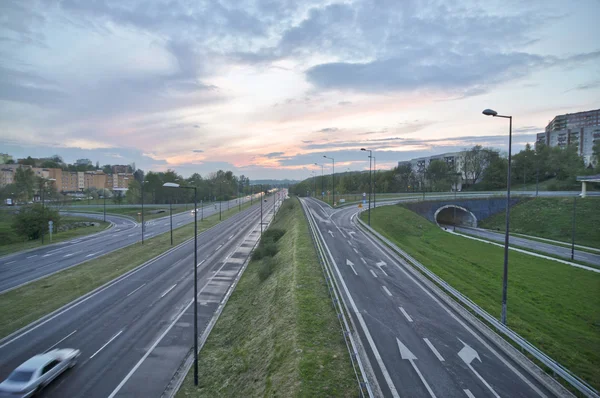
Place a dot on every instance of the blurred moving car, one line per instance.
(33, 375)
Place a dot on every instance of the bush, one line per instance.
(266, 268)
(273, 234)
(32, 220)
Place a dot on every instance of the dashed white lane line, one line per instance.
(166, 224)
(230, 237)
(218, 247)
(435, 352)
(72, 254)
(107, 343)
(93, 254)
(408, 318)
(469, 393)
(10, 262)
(200, 263)
(355, 251)
(350, 243)
(136, 290)
(373, 273)
(61, 340)
(167, 291)
(130, 234)
(179, 223)
(35, 255)
(47, 255)
(387, 291)
(363, 260)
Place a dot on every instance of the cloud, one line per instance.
(328, 130)
(197, 150)
(585, 86)
(343, 103)
(274, 154)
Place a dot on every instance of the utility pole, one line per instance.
(573, 229)
(143, 212)
(171, 217)
(261, 211)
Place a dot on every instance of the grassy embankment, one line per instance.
(554, 306)
(278, 334)
(552, 218)
(10, 242)
(24, 305)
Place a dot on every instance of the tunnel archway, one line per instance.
(445, 216)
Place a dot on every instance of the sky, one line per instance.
(266, 88)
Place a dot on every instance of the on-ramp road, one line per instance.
(416, 344)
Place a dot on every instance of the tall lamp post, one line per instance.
(143, 227)
(322, 180)
(332, 177)
(104, 197)
(374, 182)
(220, 197)
(44, 181)
(370, 180)
(489, 112)
(174, 185)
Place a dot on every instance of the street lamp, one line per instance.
(332, 177)
(322, 180)
(174, 185)
(370, 180)
(489, 112)
(44, 181)
(143, 228)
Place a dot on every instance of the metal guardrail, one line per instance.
(339, 306)
(558, 369)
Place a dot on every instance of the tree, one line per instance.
(494, 176)
(29, 161)
(10, 161)
(97, 165)
(475, 162)
(24, 183)
(107, 169)
(31, 220)
(134, 192)
(403, 174)
(437, 174)
(596, 155)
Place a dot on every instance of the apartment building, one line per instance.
(581, 129)
(454, 160)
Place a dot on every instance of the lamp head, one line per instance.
(170, 185)
(490, 112)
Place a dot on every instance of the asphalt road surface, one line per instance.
(24, 267)
(135, 332)
(553, 250)
(417, 346)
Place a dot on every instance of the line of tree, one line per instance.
(483, 169)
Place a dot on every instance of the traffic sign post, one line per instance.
(50, 229)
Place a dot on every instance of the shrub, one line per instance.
(31, 220)
(273, 234)
(266, 268)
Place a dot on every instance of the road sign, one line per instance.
(360, 205)
(364, 194)
(50, 228)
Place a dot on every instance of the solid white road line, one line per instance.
(469, 393)
(387, 291)
(355, 251)
(435, 352)
(167, 291)
(93, 254)
(61, 340)
(35, 255)
(107, 343)
(408, 318)
(136, 290)
(363, 260)
(374, 274)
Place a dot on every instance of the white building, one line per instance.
(455, 161)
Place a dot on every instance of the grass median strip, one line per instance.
(554, 306)
(28, 303)
(278, 334)
(8, 234)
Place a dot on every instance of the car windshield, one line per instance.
(20, 375)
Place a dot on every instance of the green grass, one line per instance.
(11, 243)
(278, 334)
(552, 218)
(554, 306)
(24, 305)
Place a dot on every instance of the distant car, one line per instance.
(265, 200)
(33, 375)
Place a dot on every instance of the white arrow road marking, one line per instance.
(381, 264)
(405, 353)
(468, 354)
(351, 233)
(435, 352)
(408, 318)
(351, 264)
(330, 233)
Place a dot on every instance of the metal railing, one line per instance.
(558, 369)
(339, 305)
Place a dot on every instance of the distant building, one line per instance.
(581, 129)
(120, 168)
(454, 160)
(83, 162)
(5, 157)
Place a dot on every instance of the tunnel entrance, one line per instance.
(446, 216)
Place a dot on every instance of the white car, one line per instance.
(34, 374)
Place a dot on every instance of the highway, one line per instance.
(135, 331)
(529, 244)
(24, 267)
(416, 345)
